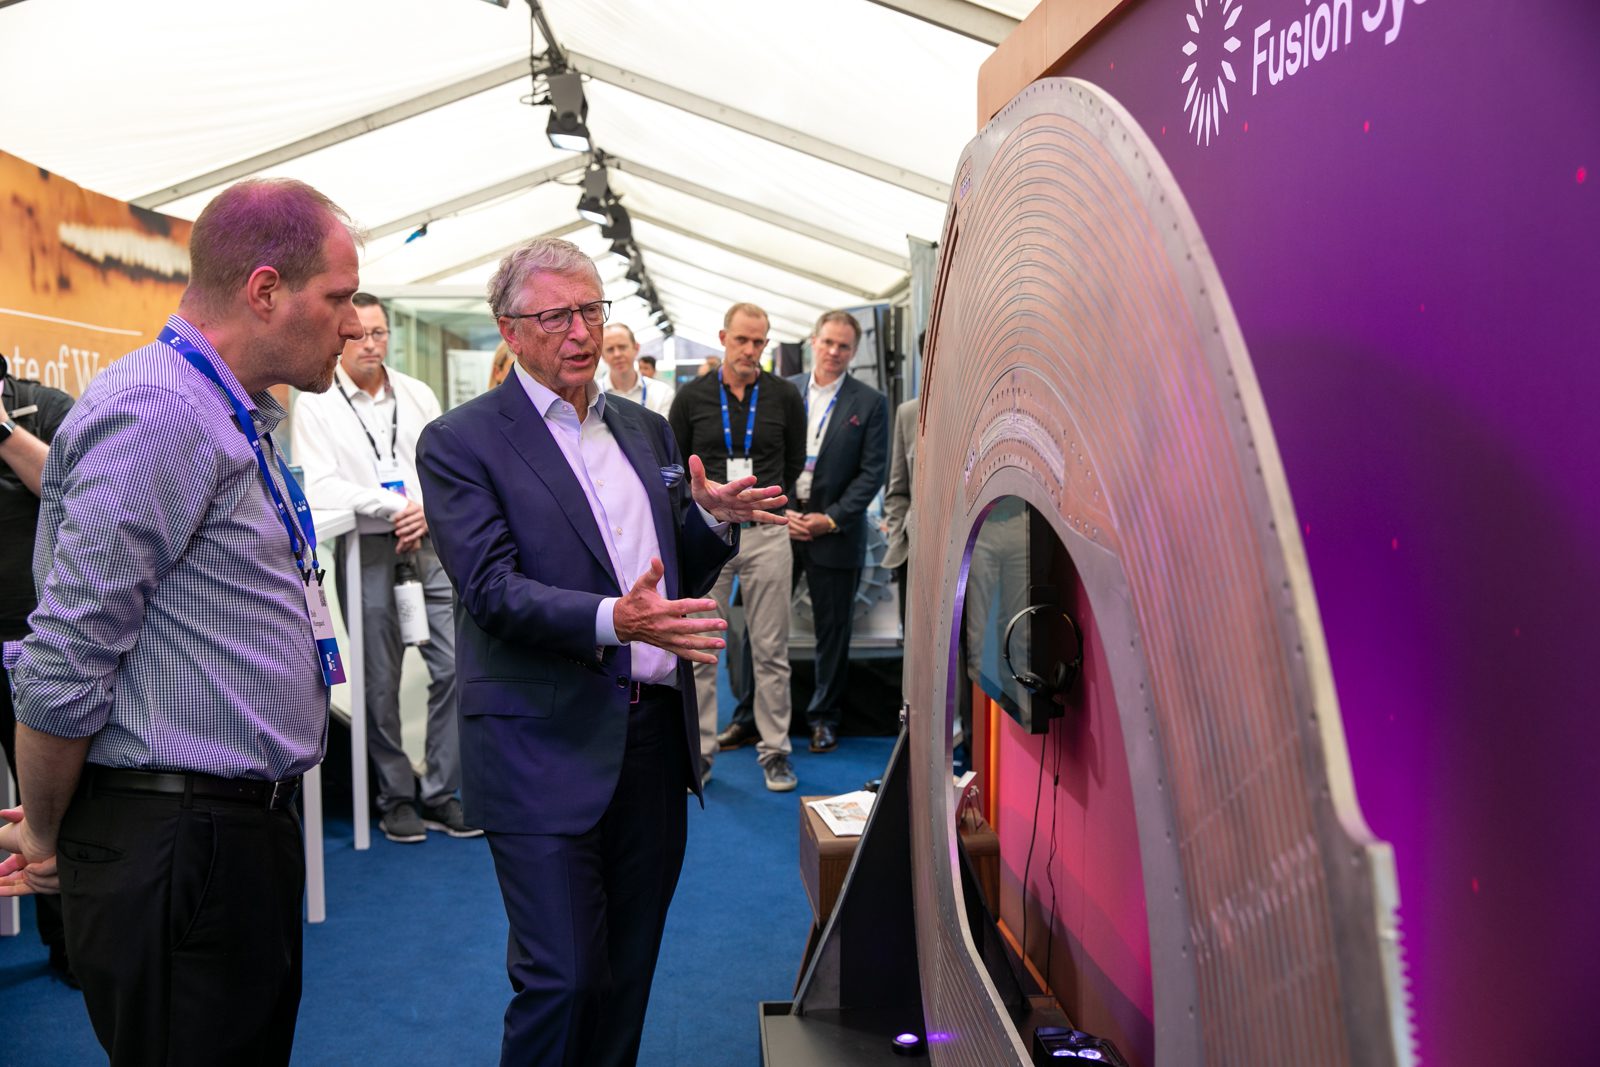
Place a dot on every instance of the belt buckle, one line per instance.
(637, 694)
(279, 789)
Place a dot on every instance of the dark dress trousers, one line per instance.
(577, 777)
(851, 464)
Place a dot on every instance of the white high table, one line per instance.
(330, 524)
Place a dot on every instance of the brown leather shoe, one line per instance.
(738, 735)
(824, 738)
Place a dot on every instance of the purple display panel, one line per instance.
(1408, 227)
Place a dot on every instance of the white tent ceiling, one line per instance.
(773, 152)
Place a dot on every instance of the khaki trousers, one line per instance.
(763, 566)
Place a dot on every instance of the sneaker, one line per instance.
(447, 818)
(402, 823)
(738, 735)
(780, 776)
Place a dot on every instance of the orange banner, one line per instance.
(83, 278)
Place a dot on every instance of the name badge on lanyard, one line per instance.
(328, 657)
(298, 525)
(739, 466)
(391, 476)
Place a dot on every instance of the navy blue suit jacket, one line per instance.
(543, 709)
(851, 465)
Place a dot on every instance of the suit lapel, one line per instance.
(841, 414)
(630, 437)
(532, 439)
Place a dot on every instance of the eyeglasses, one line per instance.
(559, 320)
(379, 335)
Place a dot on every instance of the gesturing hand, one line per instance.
(31, 867)
(738, 500)
(645, 615)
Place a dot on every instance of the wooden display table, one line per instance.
(825, 859)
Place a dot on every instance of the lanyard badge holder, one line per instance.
(738, 466)
(299, 526)
(802, 487)
(391, 475)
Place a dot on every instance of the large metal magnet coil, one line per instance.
(1082, 355)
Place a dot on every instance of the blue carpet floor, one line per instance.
(410, 966)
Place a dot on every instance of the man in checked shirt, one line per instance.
(172, 693)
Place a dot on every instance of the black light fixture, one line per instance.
(569, 112)
(596, 200)
(620, 226)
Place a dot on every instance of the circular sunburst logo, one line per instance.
(1208, 73)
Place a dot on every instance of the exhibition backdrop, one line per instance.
(83, 278)
(1403, 201)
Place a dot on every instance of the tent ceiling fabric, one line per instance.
(737, 215)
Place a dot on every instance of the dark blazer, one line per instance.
(544, 711)
(850, 468)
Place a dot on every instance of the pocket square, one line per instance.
(855, 420)
(671, 475)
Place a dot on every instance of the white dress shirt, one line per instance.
(341, 465)
(657, 396)
(620, 506)
(819, 399)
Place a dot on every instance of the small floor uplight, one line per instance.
(908, 1044)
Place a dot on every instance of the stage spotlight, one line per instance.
(569, 112)
(595, 204)
(621, 226)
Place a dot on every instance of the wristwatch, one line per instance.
(7, 428)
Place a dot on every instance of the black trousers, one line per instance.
(833, 600)
(47, 907)
(183, 925)
(587, 910)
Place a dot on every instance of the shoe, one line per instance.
(824, 738)
(738, 735)
(780, 776)
(402, 823)
(448, 819)
(61, 968)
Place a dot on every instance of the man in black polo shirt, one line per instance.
(744, 420)
(29, 416)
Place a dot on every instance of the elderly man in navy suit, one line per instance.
(571, 530)
(847, 452)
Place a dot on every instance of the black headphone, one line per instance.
(1063, 677)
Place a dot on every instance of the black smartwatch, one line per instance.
(7, 428)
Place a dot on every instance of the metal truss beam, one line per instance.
(344, 131)
(670, 261)
(957, 16)
(489, 257)
(509, 187)
(757, 211)
(756, 257)
(759, 127)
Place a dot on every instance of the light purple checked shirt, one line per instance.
(172, 620)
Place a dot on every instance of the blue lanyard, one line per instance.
(749, 423)
(644, 393)
(302, 508)
(823, 425)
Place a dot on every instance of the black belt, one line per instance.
(256, 792)
(648, 691)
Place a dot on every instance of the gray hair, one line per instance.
(542, 255)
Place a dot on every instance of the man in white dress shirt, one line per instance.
(621, 353)
(357, 443)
